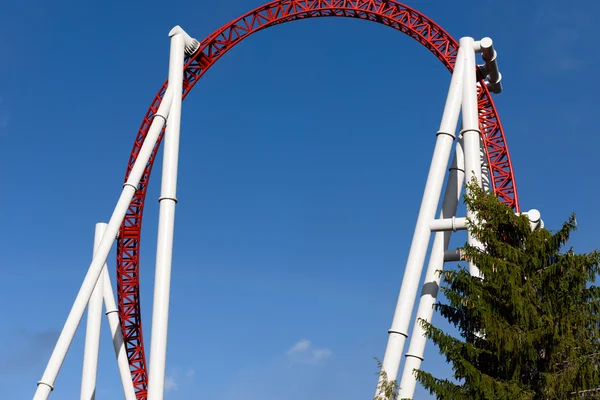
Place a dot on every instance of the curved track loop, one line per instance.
(386, 12)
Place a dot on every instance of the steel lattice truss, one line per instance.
(386, 12)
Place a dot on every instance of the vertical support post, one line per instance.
(470, 132)
(429, 204)
(117, 336)
(486, 179)
(429, 292)
(166, 222)
(46, 384)
(92, 331)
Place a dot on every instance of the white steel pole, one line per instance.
(92, 331)
(112, 314)
(448, 224)
(494, 84)
(166, 221)
(470, 132)
(418, 249)
(429, 292)
(46, 384)
(489, 55)
(485, 169)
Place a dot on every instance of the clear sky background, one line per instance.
(304, 154)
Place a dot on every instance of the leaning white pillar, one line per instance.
(180, 43)
(418, 249)
(46, 384)
(92, 331)
(429, 292)
(112, 313)
(471, 132)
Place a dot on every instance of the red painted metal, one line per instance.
(386, 12)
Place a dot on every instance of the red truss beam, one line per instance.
(386, 12)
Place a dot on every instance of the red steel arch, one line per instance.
(386, 12)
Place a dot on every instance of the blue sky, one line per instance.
(304, 156)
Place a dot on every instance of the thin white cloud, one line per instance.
(170, 384)
(179, 378)
(299, 347)
(321, 354)
(303, 352)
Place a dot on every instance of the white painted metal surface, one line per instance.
(418, 249)
(92, 331)
(468, 164)
(489, 55)
(470, 132)
(429, 291)
(118, 344)
(486, 179)
(115, 330)
(46, 384)
(535, 219)
(166, 221)
(448, 224)
(453, 255)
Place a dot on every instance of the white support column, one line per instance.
(489, 55)
(46, 384)
(180, 41)
(470, 132)
(92, 331)
(429, 292)
(486, 179)
(494, 84)
(117, 336)
(429, 204)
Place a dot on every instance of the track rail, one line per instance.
(386, 12)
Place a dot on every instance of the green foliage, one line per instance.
(386, 389)
(531, 328)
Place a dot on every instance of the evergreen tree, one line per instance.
(530, 328)
(386, 389)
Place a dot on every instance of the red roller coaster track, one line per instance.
(386, 12)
